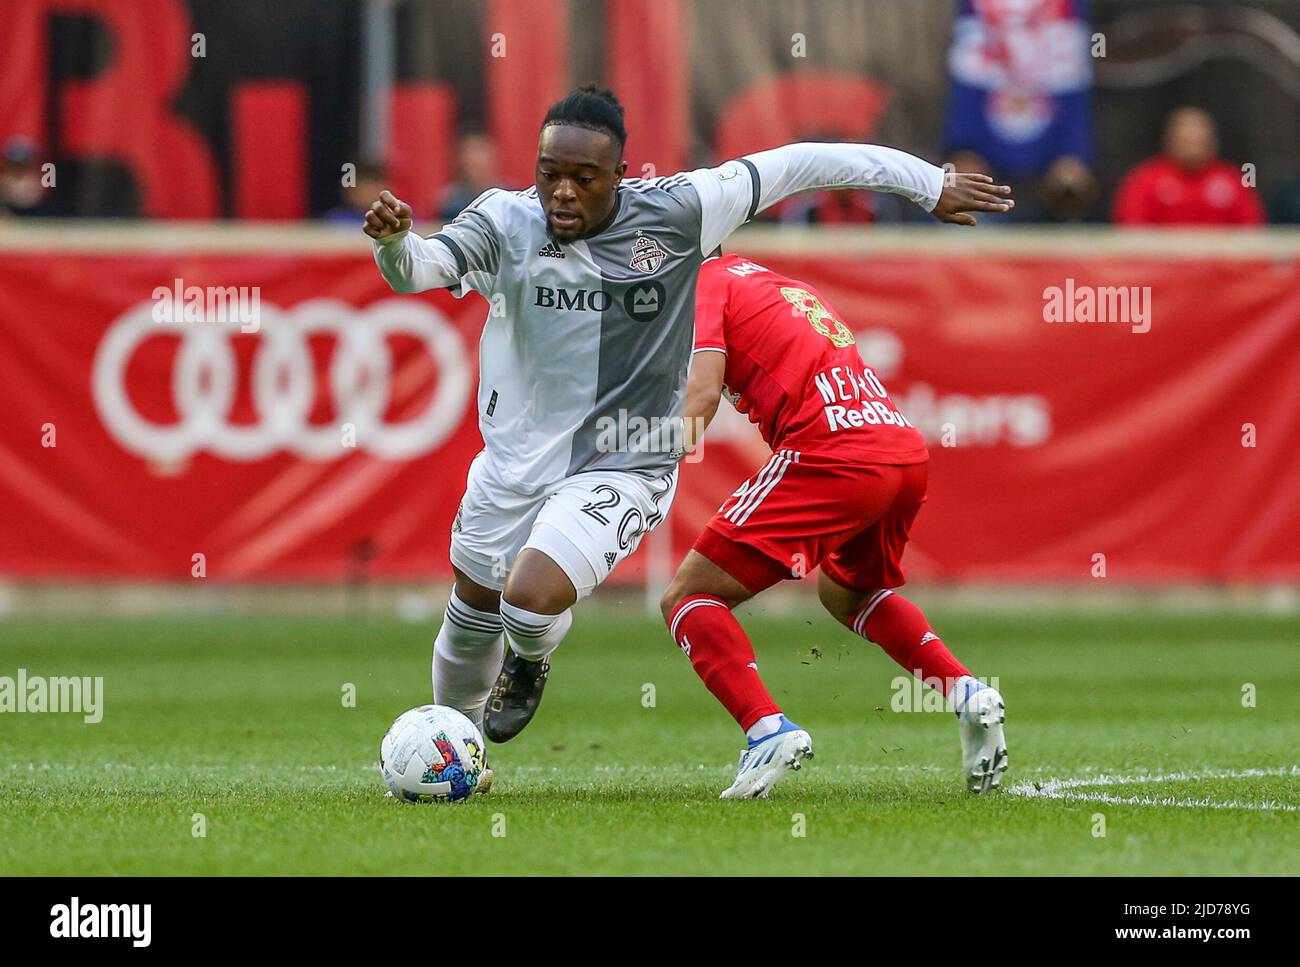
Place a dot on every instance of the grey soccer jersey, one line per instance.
(584, 356)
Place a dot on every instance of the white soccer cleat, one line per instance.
(767, 760)
(981, 713)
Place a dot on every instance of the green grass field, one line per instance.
(243, 721)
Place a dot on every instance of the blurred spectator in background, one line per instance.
(1020, 103)
(476, 163)
(1067, 192)
(21, 192)
(1188, 184)
(371, 179)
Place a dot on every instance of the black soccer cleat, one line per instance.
(515, 697)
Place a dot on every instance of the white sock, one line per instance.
(466, 658)
(962, 689)
(763, 727)
(531, 635)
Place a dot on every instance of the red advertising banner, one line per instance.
(328, 425)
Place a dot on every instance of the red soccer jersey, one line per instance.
(1160, 192)
(793, 367)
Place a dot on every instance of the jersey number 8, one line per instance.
(818, 316)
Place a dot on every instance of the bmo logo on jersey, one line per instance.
(568, 300)
(642, 301)
(865, 396)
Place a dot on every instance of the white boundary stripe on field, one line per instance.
(1066, 789)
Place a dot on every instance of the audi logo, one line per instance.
(204, 375)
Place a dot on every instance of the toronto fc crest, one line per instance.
(647, 254)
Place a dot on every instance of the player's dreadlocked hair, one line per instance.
(592, 107)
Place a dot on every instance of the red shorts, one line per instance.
(803, 510)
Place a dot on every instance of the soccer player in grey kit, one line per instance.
(583, 364)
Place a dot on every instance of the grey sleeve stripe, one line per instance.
(472, 206)
(755, 184)
(479, 242)
(483, 215)
(491, 259)
(462, 266)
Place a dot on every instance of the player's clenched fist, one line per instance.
(964, 193)
(387, 216)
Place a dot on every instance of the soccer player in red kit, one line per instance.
(845, 481)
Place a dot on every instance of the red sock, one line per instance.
(901, 628)
(704, 627)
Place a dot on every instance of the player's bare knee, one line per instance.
(674, 596)
(536, 598)
(539, 585)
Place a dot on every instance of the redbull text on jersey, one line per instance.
(840, 385)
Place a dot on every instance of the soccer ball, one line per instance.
(433, 754)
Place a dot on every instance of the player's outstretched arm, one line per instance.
(735, 192)
(407, 262)
(807, 166)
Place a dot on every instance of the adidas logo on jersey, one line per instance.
(550, 251)
(928, 636)
(610, 558)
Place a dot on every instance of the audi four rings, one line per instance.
(360, 374)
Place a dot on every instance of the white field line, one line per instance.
(1066, 789)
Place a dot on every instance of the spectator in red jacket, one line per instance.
(1188, 184)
